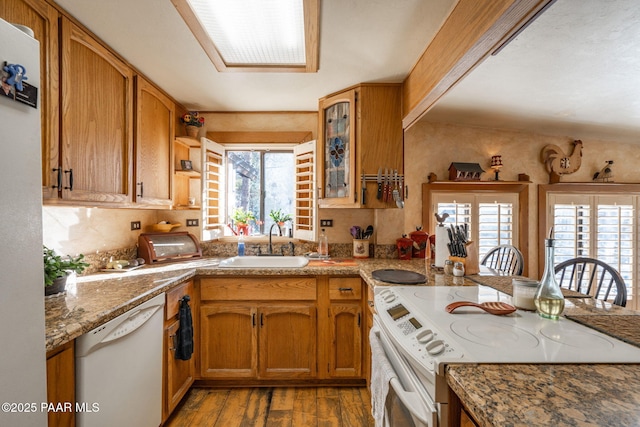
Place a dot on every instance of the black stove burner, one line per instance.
(400, 277)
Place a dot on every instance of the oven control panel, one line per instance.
(412, 333)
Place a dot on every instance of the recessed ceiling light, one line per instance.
(255, 35)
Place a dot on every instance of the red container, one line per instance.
(420, 239)
(405, 246)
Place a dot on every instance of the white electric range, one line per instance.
(412, 321)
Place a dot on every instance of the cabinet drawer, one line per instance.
(345, 288)
(172, 305)
(267, 288)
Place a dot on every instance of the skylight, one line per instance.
(255, 35)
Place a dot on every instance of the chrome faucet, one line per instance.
(270, 248)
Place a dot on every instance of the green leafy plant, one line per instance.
(240, 216)
(278, 217)
(56, 266)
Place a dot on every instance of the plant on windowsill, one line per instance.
(241, 220)
(56, 270)
(278, 217)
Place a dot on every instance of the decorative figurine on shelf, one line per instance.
(558, 163)
(605, 174)
(496, 165)
(465, 171)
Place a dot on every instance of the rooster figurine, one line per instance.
(605, 174)
(558, 163)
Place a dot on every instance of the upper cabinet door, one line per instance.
(97, 111)
(43, 20)
(155, 117)
(337, 147)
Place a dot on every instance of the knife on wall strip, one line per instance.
(364, 189)
(379, 179)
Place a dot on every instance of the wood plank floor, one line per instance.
(274, 407)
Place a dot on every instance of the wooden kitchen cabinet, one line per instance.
(96, 121)
(345, 314)
(258, 328)
(154, 131)
(42, 18)
(61, 385)
(360, 132)
(187, 182)
(178, 375)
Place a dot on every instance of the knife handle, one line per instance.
(379, 195)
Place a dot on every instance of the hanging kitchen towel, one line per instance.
(184, 344)
(381, 374)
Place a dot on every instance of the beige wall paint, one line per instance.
(431, 147)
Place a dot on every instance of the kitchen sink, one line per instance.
(264, 262)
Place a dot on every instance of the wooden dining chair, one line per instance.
(582, 274)
(506, 259)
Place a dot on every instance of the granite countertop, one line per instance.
(93, 300)
(556, 395)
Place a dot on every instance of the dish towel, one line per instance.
(381, 373)
(184, 344)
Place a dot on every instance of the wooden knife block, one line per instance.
(471, 261)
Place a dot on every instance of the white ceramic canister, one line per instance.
(524, 291)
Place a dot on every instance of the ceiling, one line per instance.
(360, 41)
(575, 71)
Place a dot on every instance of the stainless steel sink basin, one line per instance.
(264, 262)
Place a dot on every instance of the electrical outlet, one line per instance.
(192, 222)
(326, 223)
(135, 225)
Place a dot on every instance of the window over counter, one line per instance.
(596, 221)
(496, 212)
(275, 174)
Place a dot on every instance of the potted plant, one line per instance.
(57, 268)
(241, 220)
(193, 121)
(278, 217)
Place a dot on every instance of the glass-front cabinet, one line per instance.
(360, 145)
(338, 150)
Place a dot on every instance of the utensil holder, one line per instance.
(361, 248)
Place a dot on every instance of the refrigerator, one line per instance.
(23, 358)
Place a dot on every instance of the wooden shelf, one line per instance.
(188, 141)
(190, 174)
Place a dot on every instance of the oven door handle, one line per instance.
(410, 399)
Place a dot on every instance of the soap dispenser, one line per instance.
(323, 245)
(241, 244)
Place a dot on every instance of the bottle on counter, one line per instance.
(241, 244)
(549, 299)
(323, 245)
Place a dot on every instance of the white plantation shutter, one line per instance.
(491, 218)
(305, 216)
(213, 189)
(597, 226)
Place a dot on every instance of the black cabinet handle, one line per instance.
(58, 186)
(358, 319)
(141, 184)
(345, 289)
(253, 320)
(70, 187)
(261, 319)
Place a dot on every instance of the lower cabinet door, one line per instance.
(180, 373)
(346, 340)
(228, 343)
(287, 341)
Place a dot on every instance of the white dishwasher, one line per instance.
(119, 370)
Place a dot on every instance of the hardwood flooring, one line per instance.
(274, 407)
